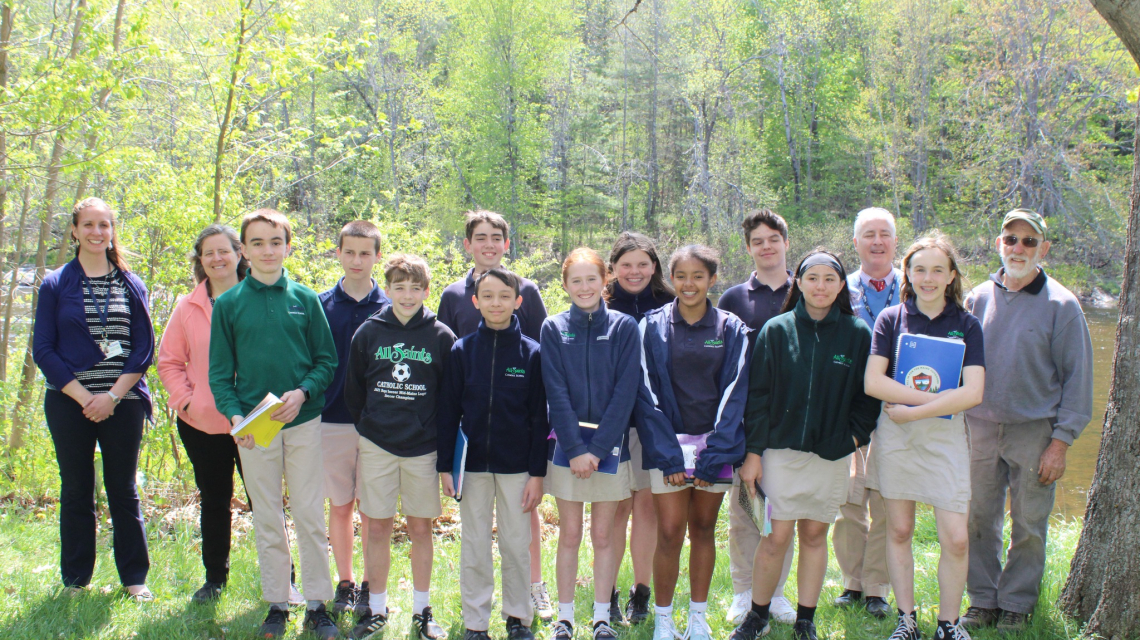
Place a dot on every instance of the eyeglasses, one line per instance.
(1029, 242)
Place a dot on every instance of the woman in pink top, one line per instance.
(183, 366)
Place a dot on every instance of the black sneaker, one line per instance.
(603, 631)
(471, 634)
(849, 598)
(362, 609)
(516, 630)
(209, 592)
(319, 623)
(275, 624)
(615, 609)
(429, 629)
(878, 607)
(753, 627)
(345, 598)
(368, 625)
(907, 628)
(804, 630)
(562, 630)
(637, 608)
(951, 631)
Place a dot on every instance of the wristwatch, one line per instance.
(305, 390)
(114, 398)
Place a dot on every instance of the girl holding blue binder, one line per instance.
(590, 367)
(920, 451)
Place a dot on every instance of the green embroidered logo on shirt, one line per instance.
(296, 310)
(714, 343)
(515, 372)
(397, 353)
(955, 334)
(567, 334)
(843, 360)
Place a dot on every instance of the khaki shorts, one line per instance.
(339, 446)
(657, 484)
(599, 487)
(639, 477)
(384, 477)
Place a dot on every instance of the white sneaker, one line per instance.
(698, 628)
(781, 610)
(295, 597)
(741, 605)
(541, 601)
(664, 629)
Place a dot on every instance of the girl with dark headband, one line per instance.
(806, 414)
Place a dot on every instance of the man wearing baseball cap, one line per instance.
(1038, 399)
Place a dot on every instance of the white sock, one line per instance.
(601, 612)
(663, 611)
(420, 600)
(378, 602)
(698, 607)
(566, 611)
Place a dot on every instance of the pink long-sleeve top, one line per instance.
(184, 363)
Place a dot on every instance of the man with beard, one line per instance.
(1038, 399)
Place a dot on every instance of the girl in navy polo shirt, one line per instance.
(591, 360)
(689, 412)
(917, 456)
(636, 286)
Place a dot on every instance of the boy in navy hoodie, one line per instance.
(395, 367)
(493, 391)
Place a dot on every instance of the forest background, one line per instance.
(576, 119)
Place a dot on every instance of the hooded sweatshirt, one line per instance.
(393, 378)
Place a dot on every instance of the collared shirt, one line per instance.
(754, 302)
(345, 315)
(866, 278)
(954, 322)
(696, 355)
(1034, 287)
(868, 303)
(460, 315)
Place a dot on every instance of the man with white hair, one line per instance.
(1038, 399)
(860, 540)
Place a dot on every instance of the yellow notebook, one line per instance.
(258, 423)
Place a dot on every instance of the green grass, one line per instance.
(33, 607)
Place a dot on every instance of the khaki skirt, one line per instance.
(924, 461)
(639, 476)
(804, 486)
(599, 487)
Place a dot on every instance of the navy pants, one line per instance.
(118, 437)
(214, 457)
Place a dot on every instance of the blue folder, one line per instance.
(928, 363)
(607, 465)
(459, 463)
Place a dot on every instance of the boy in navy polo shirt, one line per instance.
(493, 391)
(347, 305)
(755, 302)
(488, 239)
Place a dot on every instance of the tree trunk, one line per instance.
(651, 165)
(1104, 577)
(227, 116)
(793, 155)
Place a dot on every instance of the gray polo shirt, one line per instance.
(696, 355)
(1039, 358)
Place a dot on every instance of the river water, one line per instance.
(1072, 489)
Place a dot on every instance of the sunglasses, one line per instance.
(1027, 242)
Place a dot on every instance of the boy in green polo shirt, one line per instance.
(269, 335)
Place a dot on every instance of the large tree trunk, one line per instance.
(1104, 578)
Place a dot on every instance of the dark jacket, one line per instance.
(393, 377)
(62, 344)
(805, 391)
(345, 315)
(591, 366)
(460, 315)
(492, 389)
(658, 416)
(637, 305)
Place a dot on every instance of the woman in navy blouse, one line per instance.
(94, 341)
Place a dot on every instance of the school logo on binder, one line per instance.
(923, 378)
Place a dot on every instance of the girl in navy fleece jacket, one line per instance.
(590, 367)
(689, 411)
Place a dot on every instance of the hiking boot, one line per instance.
(782, 611)
(637, 607)
(979, 617)
(951, 631)
(429, 629)
(804, 630)
(1013, 622)
(751, 628)
(907, 628)
(369, 625)
(615, 609)
(849, 598)
(603, 631)
(516, 630)
(276, 622)
(319, 623)
(878, 607)
(562, 630)
(344, 599)
(741, 605)
(209, 592)
(471, 634)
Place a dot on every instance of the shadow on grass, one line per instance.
(62, 615)
(204, 621)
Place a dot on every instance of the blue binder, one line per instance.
(607, 465)
(459, 463)
(928, 363)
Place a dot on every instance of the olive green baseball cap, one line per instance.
(1032, 218)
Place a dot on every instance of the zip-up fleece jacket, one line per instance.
(492, 389)
(184, 363)
(591, 366)
(805, 391)
(393, 377)
(658, 417)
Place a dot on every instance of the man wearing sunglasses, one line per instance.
(1038, 399)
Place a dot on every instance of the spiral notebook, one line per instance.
(928, 363)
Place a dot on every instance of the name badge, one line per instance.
(111, 349)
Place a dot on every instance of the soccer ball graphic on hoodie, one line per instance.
(401, 372)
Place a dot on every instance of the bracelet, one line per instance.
(114, 398)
